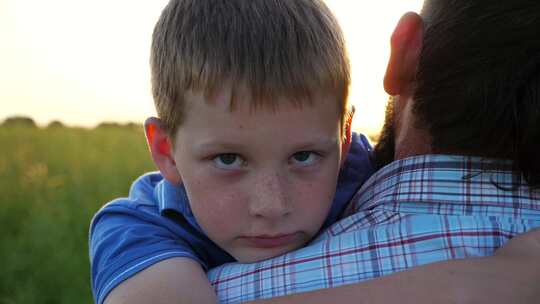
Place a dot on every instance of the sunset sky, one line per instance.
(84, 62)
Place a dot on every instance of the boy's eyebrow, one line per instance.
(211, 145)
(320, 143)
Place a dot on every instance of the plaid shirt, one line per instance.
(414, 211)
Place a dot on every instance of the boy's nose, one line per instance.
(270, 199)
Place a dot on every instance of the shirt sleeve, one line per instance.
(125, 240)
(375, 243)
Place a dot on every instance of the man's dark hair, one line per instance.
(478, 80)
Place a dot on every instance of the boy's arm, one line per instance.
(137, 255)
(510, 276)
(176, 280)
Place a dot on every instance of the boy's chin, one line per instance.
(253, 255)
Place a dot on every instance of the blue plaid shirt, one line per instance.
(414, 211)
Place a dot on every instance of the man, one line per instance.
(463, 127)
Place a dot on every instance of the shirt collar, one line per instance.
(172, 198)
(450, 179)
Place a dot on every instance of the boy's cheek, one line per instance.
(315, 199)
(216, 208)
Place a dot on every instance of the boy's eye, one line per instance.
(304, 158)
(228, 161)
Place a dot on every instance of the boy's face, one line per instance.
(260, 182)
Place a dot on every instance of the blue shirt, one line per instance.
(156, 223)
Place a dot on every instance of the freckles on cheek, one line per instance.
(215, 210)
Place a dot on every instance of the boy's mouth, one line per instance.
(271, 241)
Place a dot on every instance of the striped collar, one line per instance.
(172, 198)
(447, 184)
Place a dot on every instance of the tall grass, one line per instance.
(51, 183)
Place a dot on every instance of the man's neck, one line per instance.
(409, 139)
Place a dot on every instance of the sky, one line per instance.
(85, 62)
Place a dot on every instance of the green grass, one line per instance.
(52, 181)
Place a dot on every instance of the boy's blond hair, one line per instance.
(276, 48)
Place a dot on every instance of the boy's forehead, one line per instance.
(230, 97)
(214, 121)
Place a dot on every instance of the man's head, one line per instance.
(251, 97)
(474, 88)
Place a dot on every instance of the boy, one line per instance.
(253, 130)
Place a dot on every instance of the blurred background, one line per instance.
(74, 90)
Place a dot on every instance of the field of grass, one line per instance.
(52, 180)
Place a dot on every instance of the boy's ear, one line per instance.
(161, 150)
(406, 46)
(346, 144)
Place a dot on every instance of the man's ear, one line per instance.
(347, 138)
(161, 150)
(406, 46)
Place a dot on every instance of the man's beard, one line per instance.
(384, 150)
